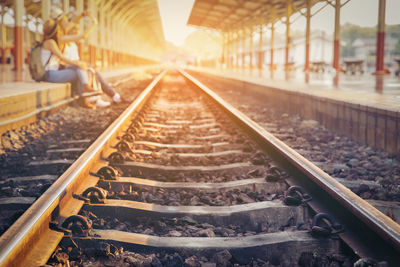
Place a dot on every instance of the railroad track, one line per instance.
(183, 178)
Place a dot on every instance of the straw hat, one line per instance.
(49, 28)
(57, 13)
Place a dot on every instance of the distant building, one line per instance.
(321, 48)
(365, 48)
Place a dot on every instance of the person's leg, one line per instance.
(105, 86)
(61, 76)
(67, 75)
(83, 79)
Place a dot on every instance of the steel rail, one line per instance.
(29, 241)
(374, 220)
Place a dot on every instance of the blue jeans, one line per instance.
(105, 86)
(75, 76)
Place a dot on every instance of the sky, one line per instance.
(174, 16)
(175, 13)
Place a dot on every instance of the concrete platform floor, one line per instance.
(8, 75)
(381, 91)
(22, 100)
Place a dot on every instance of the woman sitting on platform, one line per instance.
(71, 29)
(51, 56)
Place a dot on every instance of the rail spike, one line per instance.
(133, 130)
(123, 146)
(127, 137)
(369, 262)
(78, 225)
(116, 158)
(324, 225)
(107, 173)
(295, 196)
(95, 195)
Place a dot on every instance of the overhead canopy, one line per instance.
(232, 14)
(142, 16)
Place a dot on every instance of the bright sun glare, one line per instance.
(174, 16)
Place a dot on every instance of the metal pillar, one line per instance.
(228, 50)
(37, 33)
(237, 50)
(109, 41)
(18, 35)
(251, 52)
(103, 29)
(308, 32)
(27, 35)
(66, 5)
(93, 36)
(380, 39)
(79, 10)
(272, 45)
(223, 49)
(243, 48)
(260, 51)
(3, 36)
(46, 4)
(336, 42)
(288, 15)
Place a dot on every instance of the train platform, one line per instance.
(24, 100)
(376, 91)
(364, 107)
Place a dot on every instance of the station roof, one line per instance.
(232, 14)
(143, 15)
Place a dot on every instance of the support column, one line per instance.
(226, 50)
(46, 4)
(308, 32)
(225, 63)
(236, 47)
(18, 35)
(66, 5)
(233, 41)
(79, 10)
(336, 42)
(109, 41)
(288, 15)
(271, 65)
(115, 44)
(103, 35)
(260, 51)
(231, 52)
(251, 52)
(3, 36)
(223, 49)
(37, 33)
(27, 37)
(229, 47)
(380, 39)
(243, 48)
(93, 36)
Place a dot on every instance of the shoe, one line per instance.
(87, 88)
(117, 98)
(101, 103)
(93, 99)
(85, 103)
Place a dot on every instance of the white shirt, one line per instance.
(45, 56)
(71, 51)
